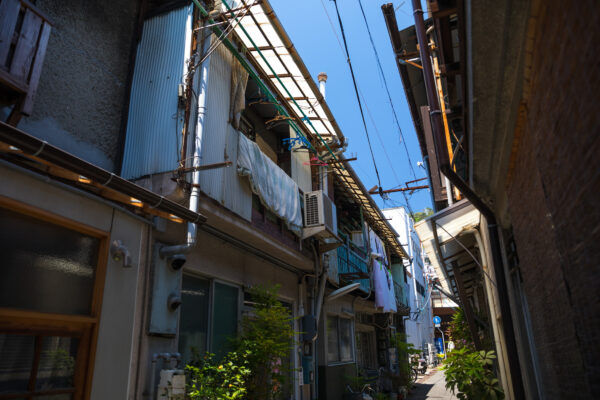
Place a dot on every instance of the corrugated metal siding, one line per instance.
(220, 141)
(216, 123)
(152, 142)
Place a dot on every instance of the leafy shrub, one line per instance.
(268, 335)
(470, 373)
(460, 332)
(406, 361)
(209, 379)
(259, 367)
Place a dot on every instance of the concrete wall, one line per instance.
(212, 258)
(83, 87)
(553, 198)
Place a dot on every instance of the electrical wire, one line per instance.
(362, 114)
(387, 89)
(406, 201)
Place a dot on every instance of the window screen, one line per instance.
(339, 339)
(193, 328)
(225, 318)
(333, 350)
(345, 328)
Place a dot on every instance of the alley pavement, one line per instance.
(431, 387)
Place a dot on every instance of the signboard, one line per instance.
(437, 321)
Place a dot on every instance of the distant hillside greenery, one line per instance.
(422, 214)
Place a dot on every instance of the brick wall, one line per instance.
(553, 198)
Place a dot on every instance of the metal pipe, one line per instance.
(192, 228)
(322, 80)
(321, 294)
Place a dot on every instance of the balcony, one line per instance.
(352, 264)
(24, 34)
(401, 291)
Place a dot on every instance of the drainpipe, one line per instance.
(456, 180)
(321, 293)
(192, 228)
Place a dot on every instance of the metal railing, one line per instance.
(352, 264)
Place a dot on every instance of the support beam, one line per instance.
(466, 306)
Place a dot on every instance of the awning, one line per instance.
(45, 158)
(438, 242)
(284, 72)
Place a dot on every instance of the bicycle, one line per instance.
(363, 394)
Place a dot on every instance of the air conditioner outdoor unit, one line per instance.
(320, 216)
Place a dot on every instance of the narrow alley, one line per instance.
(299, 200)
(432, 387)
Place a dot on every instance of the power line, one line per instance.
(362, 114)
(386, 88)
(406, 201)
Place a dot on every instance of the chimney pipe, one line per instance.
(322, 77)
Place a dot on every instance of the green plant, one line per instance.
(460, 332)
(268, 336)
(405, 360)
(470, 373)
(209, 379)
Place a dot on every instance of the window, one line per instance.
(51, 277)
(339, 339)
(201, 330)
(193, 323)
(366, 349)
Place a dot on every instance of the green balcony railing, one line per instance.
(352, 265)
(401, 292)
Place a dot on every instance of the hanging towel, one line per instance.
(276, 190)
(385, 299)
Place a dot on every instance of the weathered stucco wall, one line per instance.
(83, 87)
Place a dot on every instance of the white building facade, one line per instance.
(419, 325)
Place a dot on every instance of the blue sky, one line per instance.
(311, 31)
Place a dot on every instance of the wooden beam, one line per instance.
(466, 305)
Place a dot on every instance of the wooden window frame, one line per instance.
(352, 359)
(84, 327)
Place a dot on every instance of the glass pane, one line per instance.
(57, 363)
(345, 339)
(16, 359)
(333, 351)
(45, 267)
(193, 322)
(225, 318)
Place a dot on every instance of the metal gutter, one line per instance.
(79, 192)
(52, 154)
